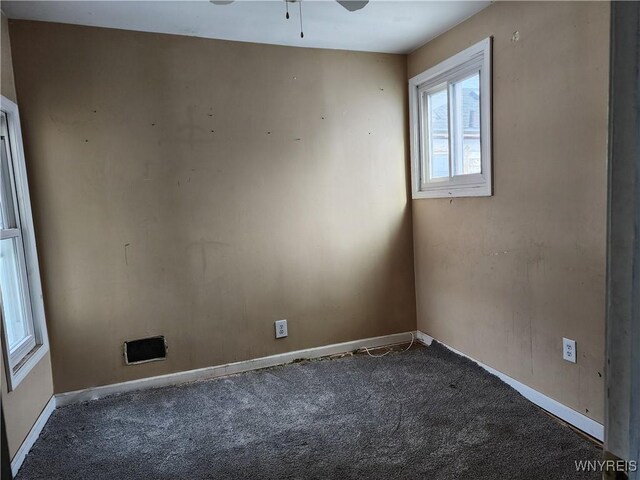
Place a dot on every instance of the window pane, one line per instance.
(7, 213)
(438, 121)
(14, 301)
(467, 126)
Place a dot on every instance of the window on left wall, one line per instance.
(24, 336)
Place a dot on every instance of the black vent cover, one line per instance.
(145, 350)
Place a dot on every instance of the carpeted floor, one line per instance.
(423, 414)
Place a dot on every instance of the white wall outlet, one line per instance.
(281, 329)
(569, 350)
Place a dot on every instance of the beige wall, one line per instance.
(203, 189)
(23, 405)
(503, 279)
(7, 82)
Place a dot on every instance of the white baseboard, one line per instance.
(569, 415)
(95, 393)
(33, 435)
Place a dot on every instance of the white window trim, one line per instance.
(17, 373)
(479, 185)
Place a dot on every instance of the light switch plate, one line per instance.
(569, 350)
(281, 329)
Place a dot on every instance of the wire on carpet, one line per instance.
(390, 350)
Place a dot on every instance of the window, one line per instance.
(24, 337)
(450, 109)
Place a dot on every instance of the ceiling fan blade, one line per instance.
(221, 2)
(353, 5)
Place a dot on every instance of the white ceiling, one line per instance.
(382, 26)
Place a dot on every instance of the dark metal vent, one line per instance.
(150, 349)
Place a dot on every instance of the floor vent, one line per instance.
(145, 350)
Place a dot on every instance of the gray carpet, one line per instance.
(423, 414)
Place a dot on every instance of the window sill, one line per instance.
(454, 192)
(22, 370)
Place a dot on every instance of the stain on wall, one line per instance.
(504, 278)
(203, 189)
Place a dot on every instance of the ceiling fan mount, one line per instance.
(350, 5)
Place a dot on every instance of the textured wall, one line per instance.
(23, 405)
(504, 278)
(202, 189)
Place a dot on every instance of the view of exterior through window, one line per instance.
(438, 107)
(24, 331)
(14, 287)
(450, 121)
(466, 119)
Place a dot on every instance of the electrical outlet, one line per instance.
(569, 350)
(281, 329)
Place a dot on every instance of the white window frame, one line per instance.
(476, 58)
(18, 367)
